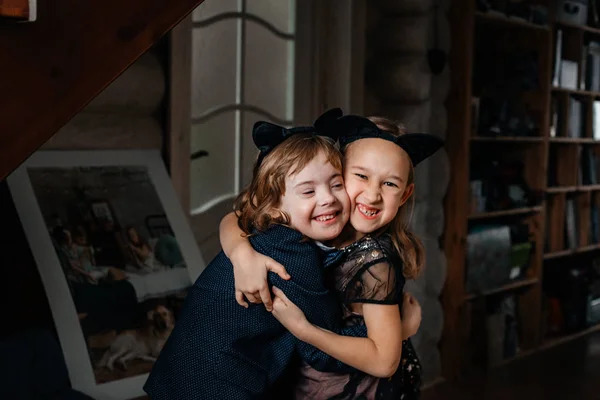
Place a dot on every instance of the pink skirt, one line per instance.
(317, 385)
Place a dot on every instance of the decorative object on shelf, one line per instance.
(520, 255)
(502, 184)
(572, 11)
(102, 226)
(488, 257)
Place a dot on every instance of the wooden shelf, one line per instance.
(569, 252)
(498, 18)
(575, 92)
(549, 343)
(533, 139)
(554, 341)
(471, 41)
(584, 28)
(573, 140)
(504, 213)
(561, 189)
(567, 189)
(504, 288)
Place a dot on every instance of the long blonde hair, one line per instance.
(409, 246)
(257, 205)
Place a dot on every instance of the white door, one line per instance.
(251, 60)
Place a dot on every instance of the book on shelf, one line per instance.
(594, 223)
(592, 72)
(583, 66)
(568, 74)
(588, 167)
(554, 119)
(576, 115)
(571, 225)
(596, 120)
(579, 167)
(557, 58)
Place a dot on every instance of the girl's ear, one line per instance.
(408, 191)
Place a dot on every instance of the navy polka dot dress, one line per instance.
(220, 350)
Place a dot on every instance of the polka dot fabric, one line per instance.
(220, 350)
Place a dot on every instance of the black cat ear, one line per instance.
(419, 146)
(326, 124)
(267, 136)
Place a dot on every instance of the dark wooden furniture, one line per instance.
(503, 35)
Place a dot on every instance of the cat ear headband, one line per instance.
(267, 136)
(418, 146)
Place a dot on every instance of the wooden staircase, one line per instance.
(51, 68)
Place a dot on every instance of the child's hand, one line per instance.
(290, 316)
(250, 270)
(411, 315)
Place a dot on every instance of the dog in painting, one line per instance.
(144, 343)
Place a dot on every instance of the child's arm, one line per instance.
(379, 353)
(249, 267)
(411, 320)
(411, 316)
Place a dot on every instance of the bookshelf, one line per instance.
(505, 63)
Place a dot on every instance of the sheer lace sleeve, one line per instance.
(376, 284)
(370, 273)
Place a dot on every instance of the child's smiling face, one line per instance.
(376, 174)
(315, 200)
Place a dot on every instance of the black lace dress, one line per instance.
(367, 271)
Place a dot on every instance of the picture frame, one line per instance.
(79, 206)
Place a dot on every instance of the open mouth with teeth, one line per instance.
(367, 212)
(327, 218)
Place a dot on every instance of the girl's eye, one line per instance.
(308, 192)
(361, 176)
(390, 184)
(338, 185)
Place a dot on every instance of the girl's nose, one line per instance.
(326, 198)
(373, 194)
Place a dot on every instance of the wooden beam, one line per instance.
(52, 68)
(179, 148)
(456, 201)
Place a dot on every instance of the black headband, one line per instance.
(419, 146)
(267, 136)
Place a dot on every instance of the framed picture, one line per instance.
(116, 256)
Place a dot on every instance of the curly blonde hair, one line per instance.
(257, 205)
